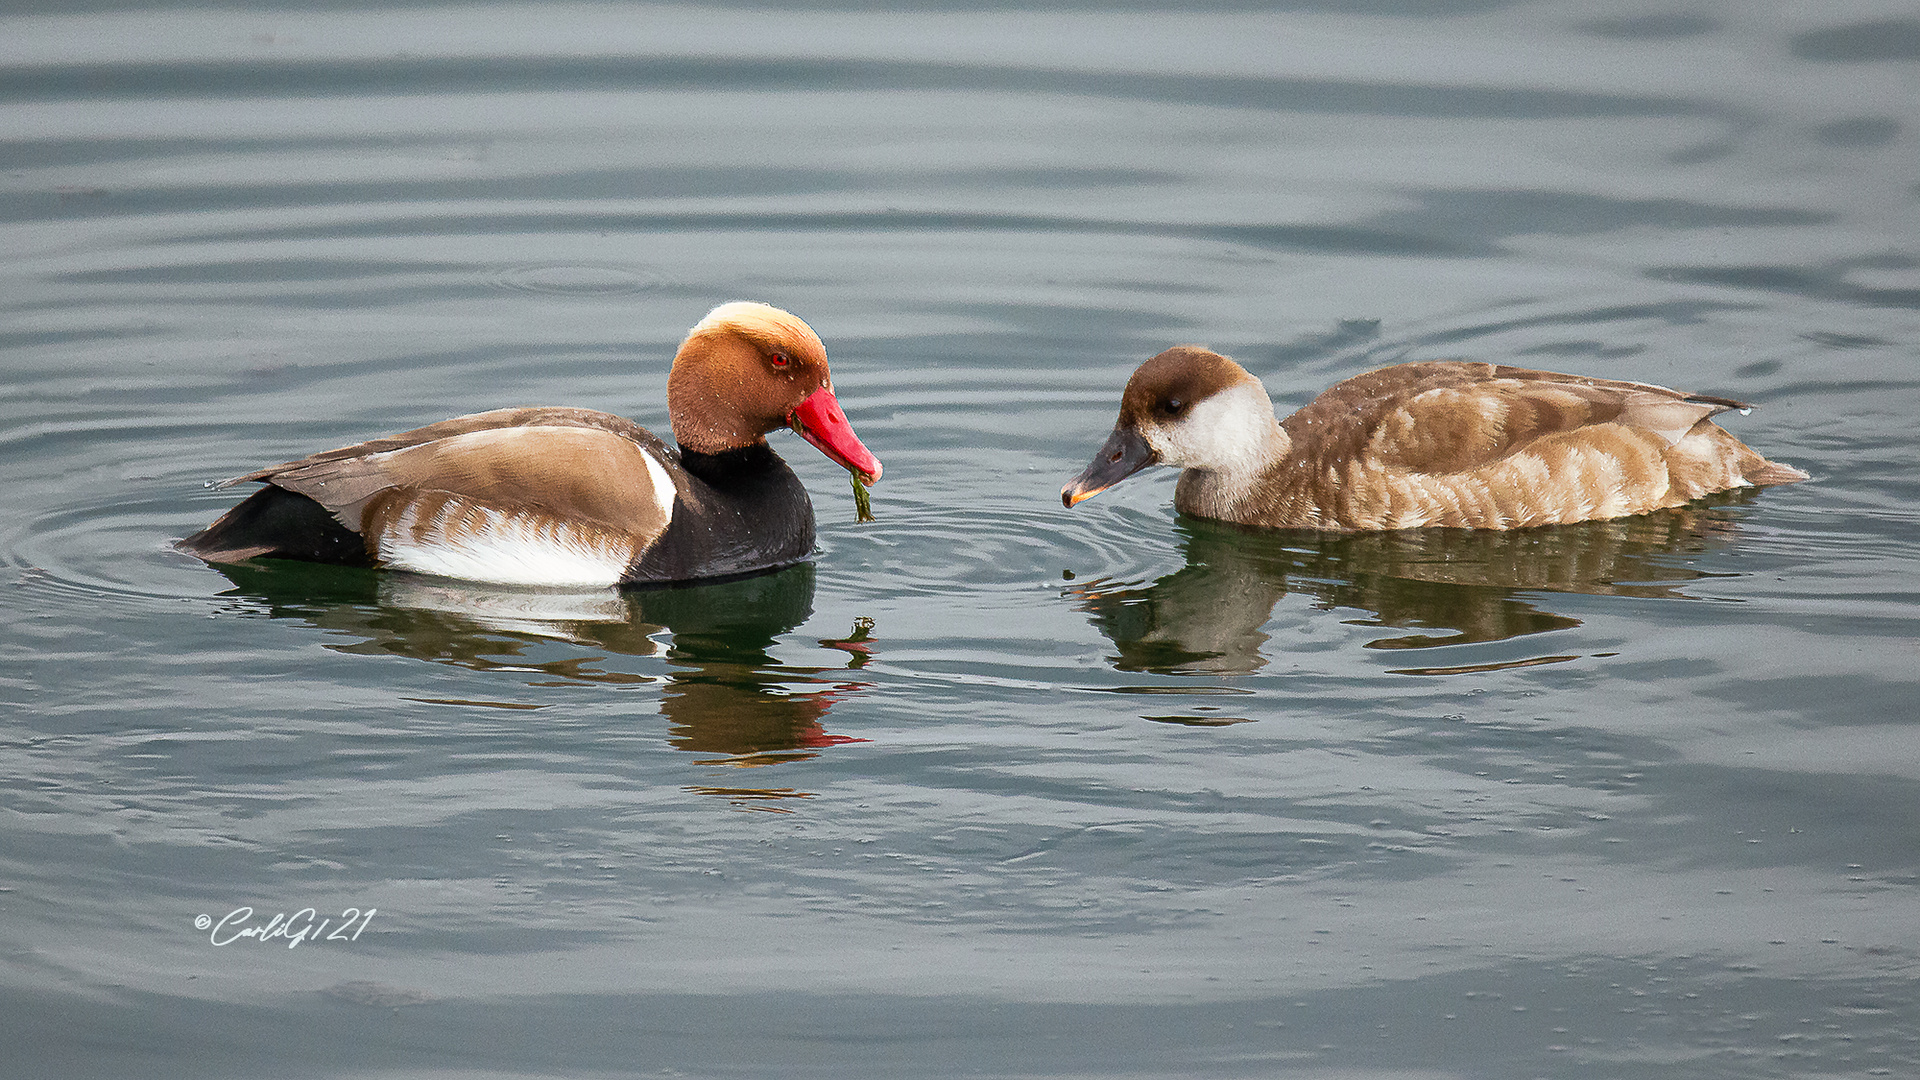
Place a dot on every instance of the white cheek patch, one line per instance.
(1230, 432)
(478, 543)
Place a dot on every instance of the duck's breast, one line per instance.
(738, 512)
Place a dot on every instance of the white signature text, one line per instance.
(303, 925)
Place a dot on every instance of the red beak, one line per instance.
(820, 421)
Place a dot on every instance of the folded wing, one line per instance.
(1456, 425)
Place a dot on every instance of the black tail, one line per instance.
(275, 523)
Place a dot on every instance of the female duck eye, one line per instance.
(780, 360)
(1173, 406)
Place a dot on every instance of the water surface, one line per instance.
(991, 788)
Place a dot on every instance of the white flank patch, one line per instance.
(505, 549)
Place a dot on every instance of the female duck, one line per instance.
(573, 497)
(1448, 443)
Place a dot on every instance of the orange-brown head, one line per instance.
(747, 369)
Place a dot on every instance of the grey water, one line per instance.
(991, 788)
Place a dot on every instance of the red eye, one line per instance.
(780, 360)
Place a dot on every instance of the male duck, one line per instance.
(1444, 443)
(572, 497)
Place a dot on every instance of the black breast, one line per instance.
(739, 512)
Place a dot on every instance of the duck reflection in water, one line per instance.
(724, 693)
(1448, 586)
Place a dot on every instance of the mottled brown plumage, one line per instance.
(1444, 443)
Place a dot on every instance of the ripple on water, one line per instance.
(578, 279)
(920, 547)
(109, 543)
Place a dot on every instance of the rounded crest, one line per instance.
(740, 373)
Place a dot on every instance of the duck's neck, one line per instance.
(1236, 467)
(731, 468)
